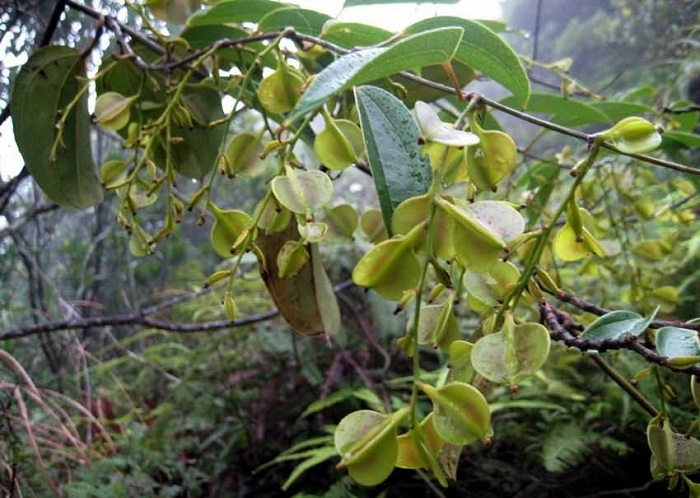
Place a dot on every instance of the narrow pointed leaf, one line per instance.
(304, 21)
(399, 170)
(616, 325)
(423, 49)
(486, 52)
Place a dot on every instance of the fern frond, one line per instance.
(565, 447)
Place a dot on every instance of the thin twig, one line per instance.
(143, 317)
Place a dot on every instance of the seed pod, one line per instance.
(367, 444)
(339, 144)
(112, 110)
(633, 135)
(279, 92)
(462, 414)
(227, 228)
(492, 159)
(230, 307)
(113, 173)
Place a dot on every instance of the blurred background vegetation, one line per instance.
(190, 415)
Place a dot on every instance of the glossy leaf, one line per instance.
(304, 21)
(486, 52)
(234, 12)
(43, 88)
(680, 345)
(173, 11)
(399, 170)
(566, 112)
(616, 325)
(305, 300)
(303, 192)
(619, 110)
(462, 414)
(513, 354)
(367, 444)
(351, 35)
(432, 47)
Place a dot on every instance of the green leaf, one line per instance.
(620, 110)
(616, 325)
(680, 345)
(317, 456)
(354, 3)
(44, 87)
(305, 21)
(399, 170)
(234, 12)
(485, 51)
(423, 49)
(565, 112)
(684, 138)
(351, 35)
(199, 151)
